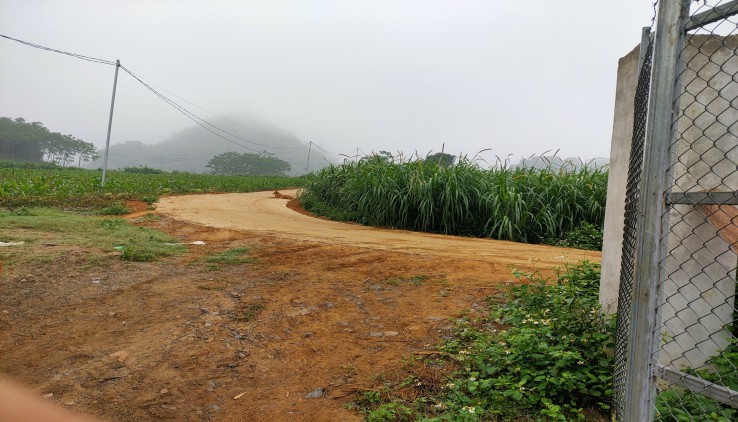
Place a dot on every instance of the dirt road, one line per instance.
(322, 313)
(261, 212)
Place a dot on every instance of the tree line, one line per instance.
(34, 142)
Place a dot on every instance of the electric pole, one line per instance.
(307, 166)
(110, 123)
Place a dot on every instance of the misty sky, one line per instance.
(518, 76)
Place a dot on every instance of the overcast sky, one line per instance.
(518, 76)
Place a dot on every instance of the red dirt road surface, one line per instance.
(324, 308)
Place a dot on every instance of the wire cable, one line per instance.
(198, 120)
(221, 117)
(75, 55)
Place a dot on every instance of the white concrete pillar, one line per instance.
(622, 134)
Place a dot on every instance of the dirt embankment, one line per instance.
(324, 307)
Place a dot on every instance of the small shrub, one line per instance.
(586, 236)
(149, 199)
(391, 412)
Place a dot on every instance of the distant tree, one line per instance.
(33, 142)
(441, 158)
(382, 157)
(261, 164)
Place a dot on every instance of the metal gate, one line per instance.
(676, 352)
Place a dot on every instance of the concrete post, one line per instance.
(622, 134)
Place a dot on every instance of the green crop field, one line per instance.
(524, 205)
(31, 185)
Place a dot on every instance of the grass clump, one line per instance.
(231, 256)
(586, 236)
(542, 350)
(415, 280)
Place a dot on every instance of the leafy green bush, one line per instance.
(586, 236)
(391, 412)
(543, 350)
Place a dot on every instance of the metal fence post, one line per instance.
(640, 385)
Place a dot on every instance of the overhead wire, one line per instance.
(79, 56)
(196, 119)
(223, 118)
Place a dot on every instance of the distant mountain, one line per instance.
(550, 161)
(191, 149)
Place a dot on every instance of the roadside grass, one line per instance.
(47, 225)
(541, 353)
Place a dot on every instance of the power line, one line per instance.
(221, 117)
(198, 120)
(78, 56)
(188, 159)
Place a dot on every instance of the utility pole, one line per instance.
(307, 166)
(110, 124)
(357, 154)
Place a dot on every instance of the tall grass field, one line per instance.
(26, 184)
(517, 204)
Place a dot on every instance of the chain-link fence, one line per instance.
(635, 165)
(676, 351)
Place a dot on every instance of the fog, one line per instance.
(517, 77)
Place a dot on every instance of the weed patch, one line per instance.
(542, 350)
(248, 311)
(232, 256)
(415, 280)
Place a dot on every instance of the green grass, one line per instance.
(524, 205)
(415, 280)
(232, 256)
(39, 185)
(541, 353)
(42, 224)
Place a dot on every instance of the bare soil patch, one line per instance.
(187, 339)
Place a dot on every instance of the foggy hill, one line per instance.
(192, 148)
